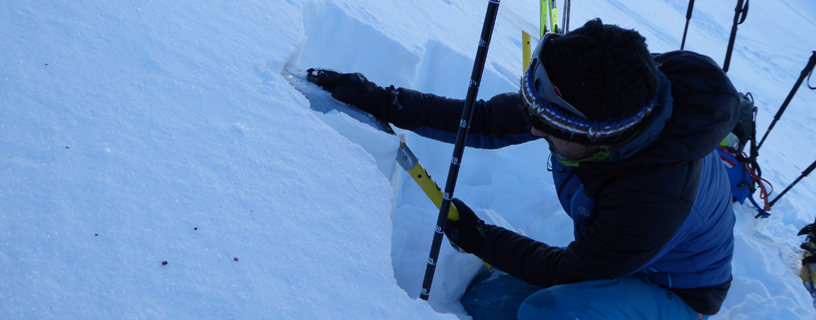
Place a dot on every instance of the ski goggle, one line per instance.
(545, 103)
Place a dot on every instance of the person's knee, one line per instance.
(569, 301)
(620, 298)
(545, 305)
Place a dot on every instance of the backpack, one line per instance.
(743, 171)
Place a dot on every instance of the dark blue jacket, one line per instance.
(659, 208)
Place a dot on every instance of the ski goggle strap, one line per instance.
(538, 82)
(546, 104)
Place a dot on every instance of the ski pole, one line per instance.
(459, 146)
(737, 20)
(806, 71)
(688, 18)
(804, 174)
(565, 18)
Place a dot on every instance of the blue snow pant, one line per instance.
(496, 295)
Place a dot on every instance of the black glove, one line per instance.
(469, 232)
(356, 90)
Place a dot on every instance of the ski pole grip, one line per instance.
(809, 169)
(809, 67)
(744, 12)
(688, 12)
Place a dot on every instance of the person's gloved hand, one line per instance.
(469, 232)
(356, 90)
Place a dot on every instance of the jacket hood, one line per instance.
(698, 107)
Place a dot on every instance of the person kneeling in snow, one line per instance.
(633, 139)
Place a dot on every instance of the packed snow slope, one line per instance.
(158, 162)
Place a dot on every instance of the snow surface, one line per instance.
(134, 133)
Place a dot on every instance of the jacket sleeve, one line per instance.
(629, 230)
(495, 123)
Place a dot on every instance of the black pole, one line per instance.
(459, 147)
(688, 18)
(739, 10)
(754, 150)
(565, 19)
(804, 174)
(806, 71)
